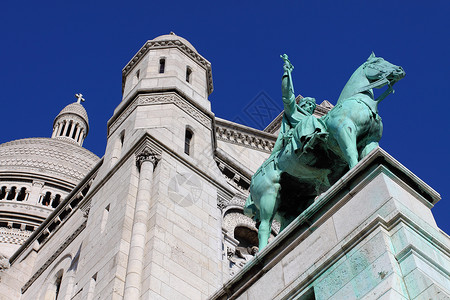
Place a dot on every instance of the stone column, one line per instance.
(60, 129)
(77, 135)
(55, 130)
(133, 280)
(80, 141)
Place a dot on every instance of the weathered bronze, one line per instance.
(311, 154)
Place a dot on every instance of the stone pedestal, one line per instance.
(371, 236)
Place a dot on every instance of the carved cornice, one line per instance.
(72, 117)
(66, 243)
(162, 44)
(237, 200)
(244, 136)
(165, 98)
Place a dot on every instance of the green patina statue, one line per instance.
(311, 154)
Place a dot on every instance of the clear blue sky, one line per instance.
(51, 50)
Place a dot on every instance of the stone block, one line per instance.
(361, 205)
(267, 286)
(434, 292)
(309, 251)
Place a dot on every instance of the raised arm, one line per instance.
(287, 87)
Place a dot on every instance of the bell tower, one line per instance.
(72, 123)
(160, 180)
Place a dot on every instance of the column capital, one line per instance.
(147, 154)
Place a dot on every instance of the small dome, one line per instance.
(173, 37)
(74, 108)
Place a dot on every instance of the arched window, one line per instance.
(188, 74)
(187, 141)
(46, 199)
(162, 65)
(61, 132)
(56, 201)
(3, 192)
(75, 131)
(69, 128)
(12, 193)
(22, 194)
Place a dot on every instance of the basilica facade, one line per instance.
(160, 215)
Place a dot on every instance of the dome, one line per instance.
(45, 157)
(173, 37)
(76, 109)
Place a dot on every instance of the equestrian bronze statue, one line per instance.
(311, 154)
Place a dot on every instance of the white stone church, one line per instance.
(160, 215)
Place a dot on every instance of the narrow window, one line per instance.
(122, 138)
(75, 131)
(138, 73)
(187, 141)
(188, 74)
(162, 65)
(12, 193)
(62, 129)
(58, 285)
(56, 201)
(46, 199)
(22, 194)
(68, 129)
(3, 192)
(104, 218)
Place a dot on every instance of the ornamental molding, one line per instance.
(238, 180)
(234, 218)
(236, 201)
(61, 248)
(165, 98)
(244, 136)
(71, 117)
(163, 44)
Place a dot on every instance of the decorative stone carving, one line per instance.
(174, 98)
(238, 200)
(251, 138)
(147, 155)
(4, 262)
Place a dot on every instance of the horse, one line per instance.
(288, 182)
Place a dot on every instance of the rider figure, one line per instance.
(298, 126)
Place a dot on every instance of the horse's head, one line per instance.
(379, 70)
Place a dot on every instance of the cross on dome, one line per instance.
(80, 98)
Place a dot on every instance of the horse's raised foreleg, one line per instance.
(268, 205)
